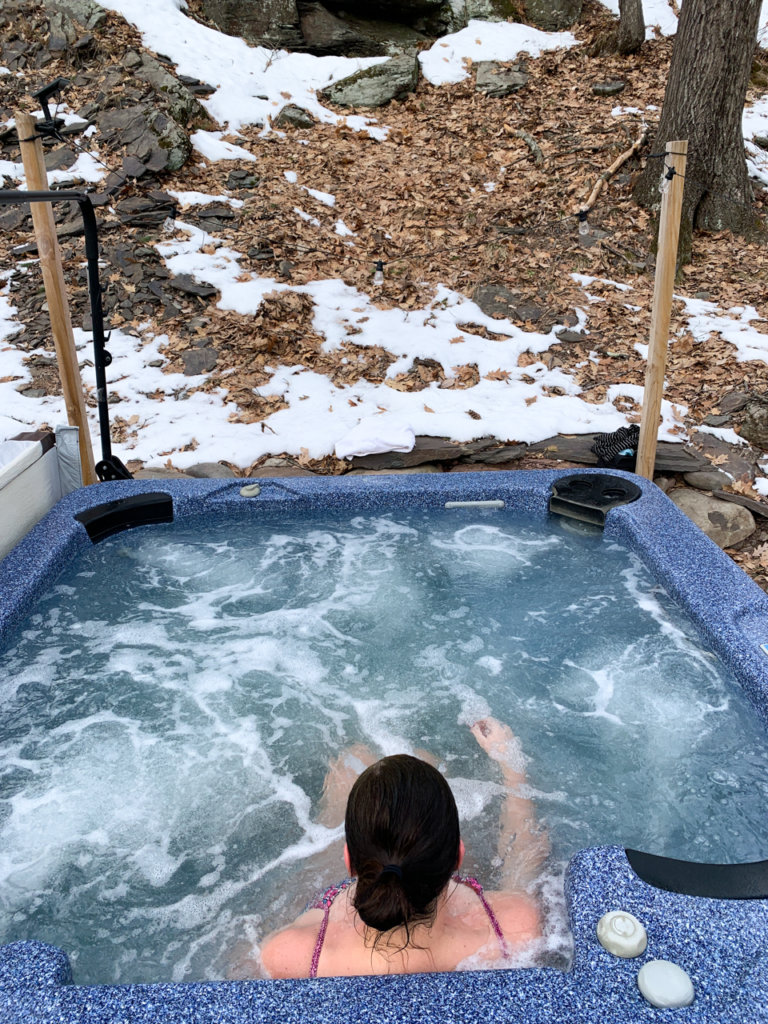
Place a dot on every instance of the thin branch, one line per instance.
(532, 144)
(607, 175)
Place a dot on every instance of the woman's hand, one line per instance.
(500, 744)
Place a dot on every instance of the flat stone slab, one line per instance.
(426, 449)
(427, 467)
(187, 284)
(670, 458)
(758, 508)
(736, 460)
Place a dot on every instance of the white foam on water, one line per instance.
(492, 548)
(473, 708)
(603, 693)
(379, 722)
(648, 601)
(492, 665)
(473, 796)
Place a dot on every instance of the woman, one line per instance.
(406, 910)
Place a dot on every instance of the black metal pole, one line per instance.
(110, 467)
(101, 358)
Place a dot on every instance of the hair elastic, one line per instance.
(392, 869)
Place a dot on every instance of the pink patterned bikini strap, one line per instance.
(477, 888)
(324, 902)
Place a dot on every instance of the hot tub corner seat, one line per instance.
(31, 964)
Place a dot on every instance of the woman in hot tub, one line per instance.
(406, 908)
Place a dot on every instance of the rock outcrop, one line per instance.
(271, 23)
(370, 27)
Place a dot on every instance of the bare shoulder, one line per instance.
(287, 953)
(518, 914)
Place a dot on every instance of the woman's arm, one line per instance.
(523, 843)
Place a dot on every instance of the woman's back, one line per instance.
(469, 930)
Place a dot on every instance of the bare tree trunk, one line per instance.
(704, 102)
(631, 26)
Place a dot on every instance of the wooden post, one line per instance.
(55, 291)
(666, 265)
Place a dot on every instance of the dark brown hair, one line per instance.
(402, 831)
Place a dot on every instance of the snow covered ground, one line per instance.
(165, 415)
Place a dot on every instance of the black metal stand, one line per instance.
(110, 467)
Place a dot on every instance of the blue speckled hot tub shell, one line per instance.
(722, 944)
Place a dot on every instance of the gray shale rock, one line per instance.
(376, 86)
(295, 116)
(496, 79)
(353, 36)
(177, 99)
(612, 88)
(724, 522)
(86, 13)
(148, 133)
(734, 401)
(68, 19)
(199, 360)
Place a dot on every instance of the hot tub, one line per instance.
(710, 920)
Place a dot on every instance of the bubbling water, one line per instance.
(170, 709)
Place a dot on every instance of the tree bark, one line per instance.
(704, 103)
(631, 26)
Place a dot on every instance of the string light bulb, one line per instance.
(378, 274)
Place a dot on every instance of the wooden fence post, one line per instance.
(55, 291)
(666, 265)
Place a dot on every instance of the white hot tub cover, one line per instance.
(36, 470)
